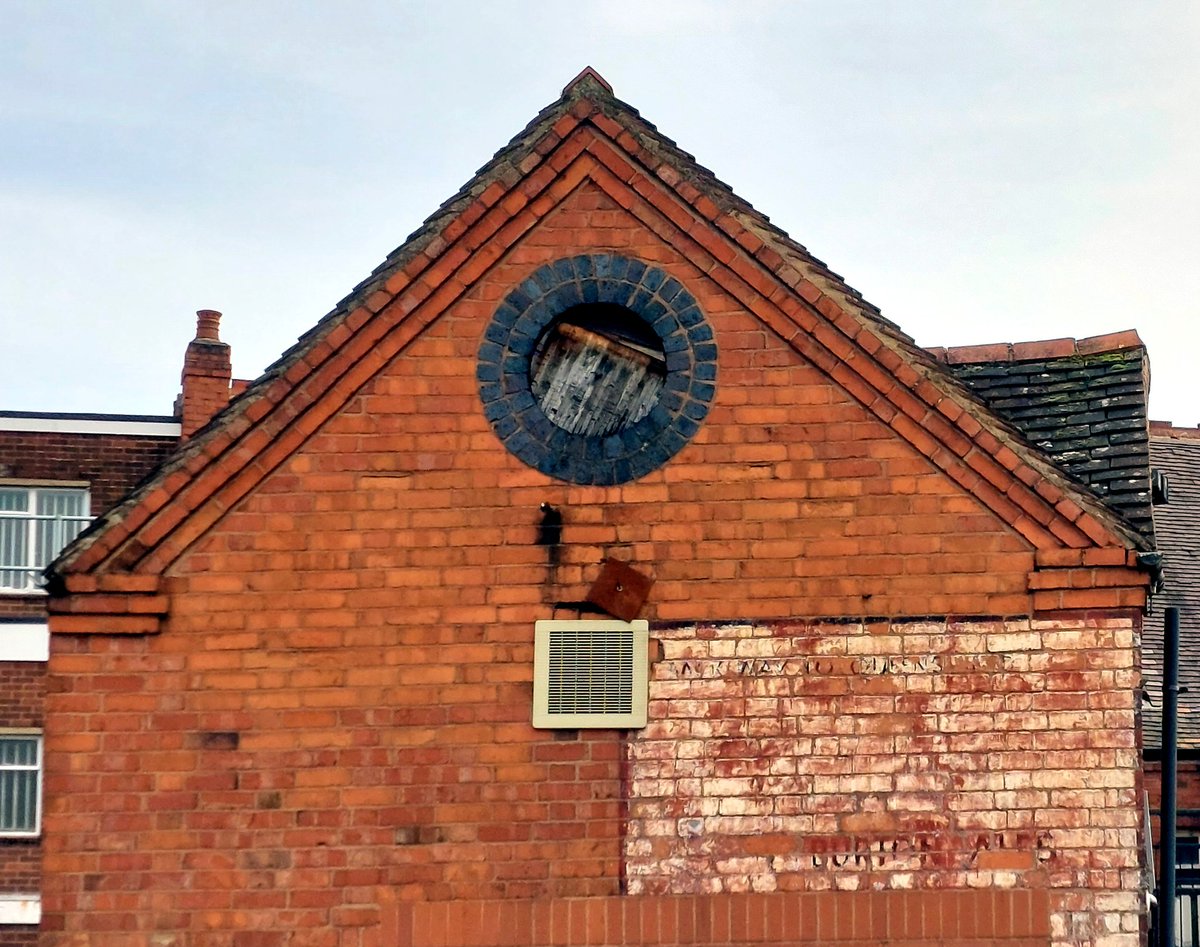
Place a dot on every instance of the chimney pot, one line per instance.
(208, 325)
(207, 374)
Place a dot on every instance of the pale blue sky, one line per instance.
(981, 171)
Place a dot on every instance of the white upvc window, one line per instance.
(20, 783)
(36, 523)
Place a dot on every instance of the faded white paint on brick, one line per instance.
(921, 755)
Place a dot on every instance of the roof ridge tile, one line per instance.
(1035, 350)
(581, 82)
(1168, 429)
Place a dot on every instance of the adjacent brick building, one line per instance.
(893, 641)
(55, 471)
(1175, 453)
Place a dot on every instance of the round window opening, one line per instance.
(597, 369)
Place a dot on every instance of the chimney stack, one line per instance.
(207, 373)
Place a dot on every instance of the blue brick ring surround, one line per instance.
(508, 345)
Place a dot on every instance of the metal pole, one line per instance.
(1170, 755)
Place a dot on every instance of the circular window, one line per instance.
(597, 369)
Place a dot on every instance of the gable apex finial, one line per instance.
(582, 79)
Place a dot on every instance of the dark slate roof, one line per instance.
(1176, 452)
(1083, 404)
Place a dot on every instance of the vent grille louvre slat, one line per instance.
(590, 673)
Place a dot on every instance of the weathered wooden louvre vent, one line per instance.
(598, 370)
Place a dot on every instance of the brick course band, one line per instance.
(598, 278)
(985, 918)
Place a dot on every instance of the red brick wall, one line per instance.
(20, 869)
(111, 463)
(986, 918)
(22, 696)
(20, 935)
(339, 702)
(22, 693)
(1187, 792)
(24, 607)
(932, 754)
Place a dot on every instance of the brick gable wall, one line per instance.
(339, 701)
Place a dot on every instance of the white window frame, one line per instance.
(39, 773)
(31, 568)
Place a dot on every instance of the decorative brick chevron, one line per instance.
(777, 280)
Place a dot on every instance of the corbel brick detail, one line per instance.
(105, 624)
(1104, 578)
(109, 604)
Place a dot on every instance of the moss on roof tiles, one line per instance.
(1087, 413)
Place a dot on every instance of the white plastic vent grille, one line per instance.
(590, 674)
